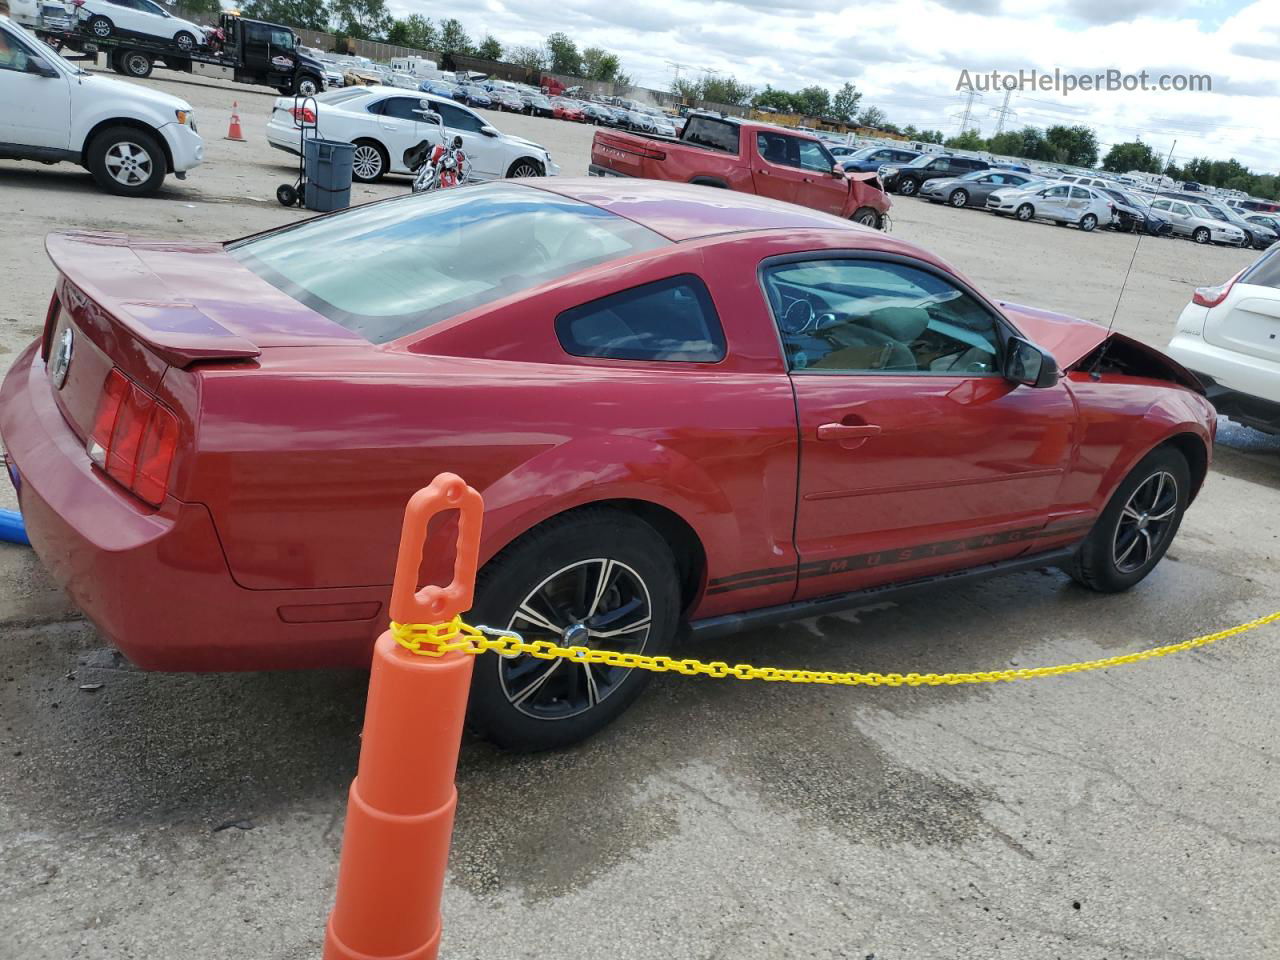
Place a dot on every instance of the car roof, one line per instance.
(682, 211)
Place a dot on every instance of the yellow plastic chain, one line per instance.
(435, 640)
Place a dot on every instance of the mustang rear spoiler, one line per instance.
(113, 277)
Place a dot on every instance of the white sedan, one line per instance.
(1229, 336)
(140, 18)
(384, 122)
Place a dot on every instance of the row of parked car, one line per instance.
(499, 95)
(1086, 202)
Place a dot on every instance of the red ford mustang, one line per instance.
(680, 404)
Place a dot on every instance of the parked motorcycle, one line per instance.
(437, 166)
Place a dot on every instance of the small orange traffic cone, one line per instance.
(234, 132)
(400, 808)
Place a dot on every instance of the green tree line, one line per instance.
(372, 20)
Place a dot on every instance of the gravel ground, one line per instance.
(1126, 814)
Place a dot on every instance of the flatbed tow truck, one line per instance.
(251, 51)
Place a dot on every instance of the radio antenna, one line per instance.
(1097, 364)
(1137, 246)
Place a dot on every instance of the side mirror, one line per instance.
(1030, 366)
(489, 131)
(39, 66)
(837, 171)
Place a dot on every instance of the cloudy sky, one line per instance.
(906, 56)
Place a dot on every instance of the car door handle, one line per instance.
(848, 431)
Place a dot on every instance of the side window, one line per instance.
(772, 148)
(257, 33)
(814, 157)
(13, 55)
(870, 316)
(1058, 191)
(881, 156)
(1080, 193)
(401, 108)
(670, 320)
(282, 39)
(1180, 209)
(942, 165)
(1160, 205)
(455, 118)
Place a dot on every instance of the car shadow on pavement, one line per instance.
(93, 745)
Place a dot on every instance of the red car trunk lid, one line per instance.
(143, 307)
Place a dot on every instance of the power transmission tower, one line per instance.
(1004, 114)
(969, 99)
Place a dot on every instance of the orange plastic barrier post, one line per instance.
(400, 807)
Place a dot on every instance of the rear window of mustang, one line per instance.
(389, 269)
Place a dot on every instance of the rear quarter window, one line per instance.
(713, 133)
(1266, 272)
(672, 320)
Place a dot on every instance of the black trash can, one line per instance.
(328, 174)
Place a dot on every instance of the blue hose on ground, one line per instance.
(12, 528)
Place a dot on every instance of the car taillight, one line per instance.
(134, 438)
(1212, 296)
(303, 115)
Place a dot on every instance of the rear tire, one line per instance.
(136, 64)
(369, 163)
(556, 570)
(1138, 524)
(127, 161)
(1088, 222)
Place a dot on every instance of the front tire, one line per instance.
(525, 168)
(185, 41)
(959, 198)
(1202, 235)
(101, 27)
(1137, 526)
(908, 187)
(595, 577)
(127, 161)
(306, 86)
(866, 216)
(368, 162)
(1025, 212)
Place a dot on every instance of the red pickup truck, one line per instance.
(751, 157)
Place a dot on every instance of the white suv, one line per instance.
(1229, 336)
(139, 18)
(127, 136)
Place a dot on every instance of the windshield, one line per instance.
(920, 161)
(388, 269)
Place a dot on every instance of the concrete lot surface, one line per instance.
(1133, 813)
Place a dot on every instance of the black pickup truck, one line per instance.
(255, 51)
